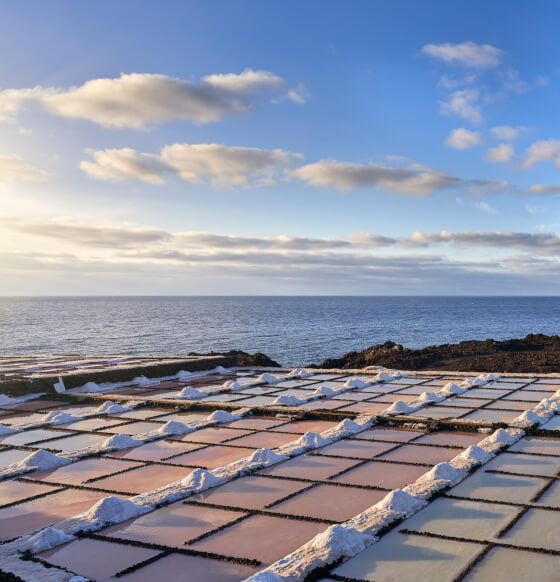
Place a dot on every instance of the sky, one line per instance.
(279, 148)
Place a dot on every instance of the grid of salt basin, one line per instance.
(235, 530)
(496, 401)
(36, 366)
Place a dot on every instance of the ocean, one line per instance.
(291, 330)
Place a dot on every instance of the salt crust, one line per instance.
(337, 541)
(540, 414)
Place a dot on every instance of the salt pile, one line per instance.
(40, 460)
(109, 407)
(190, 393)
(118, 442)
(287, 400)
(299, 373)
(58, 417)
(267, 379)
(105, 512)
(222, 416)
(355, 383)
(47, 539)
(399, 407)
(174, 427)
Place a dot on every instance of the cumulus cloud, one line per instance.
(195, 163)
(467, 54)
(463, 103)
(501, 153)
(462, 139)
(507, 132)
(137, 99)
(542, 151)
(13, 168)
(453, 83)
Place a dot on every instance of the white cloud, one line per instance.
(462, 139)
(464, 104)
(507, 132)
(453, 83)
(414, 180)
(13, 168)
(92, 236)
(137, 99)
(501, 153)
(485, 207)
(195, 163)
(116, 165)
(542, 151)
(467, 54)
(299, 94)
(538, 189)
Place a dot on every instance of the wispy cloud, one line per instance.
(466, 54)
(14, 168)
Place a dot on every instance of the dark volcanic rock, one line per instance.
(244, 359)
(532, 354)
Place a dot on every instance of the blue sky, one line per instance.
(287, 148)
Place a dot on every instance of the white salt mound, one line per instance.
(58, 417)
(300, 373)
(267, 379)
(426, 397)
(232, 385)
(190, 393)
(48, 538)
(401, 502)
(383, 377)
(312, 440)
(474, 454)
(355, 383)
(343, 541)
(266, 457)
(500, 437)
(120, 441)
(528, 418)
(441, 472)
(112, 510)
(200, 480)
(174, 427)
(451, 388)
(109, 407)
(222, 416)
(287, 400)
(399, 407)
(183, 375)
(323, 391)
(42, 460)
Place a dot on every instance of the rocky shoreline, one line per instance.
(535, 353)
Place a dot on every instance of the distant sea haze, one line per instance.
(291, 330)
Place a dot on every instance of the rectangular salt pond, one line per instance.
(461, 518)
(515, 566)
(399, 557)
(497, 487)
(173, 525)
